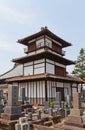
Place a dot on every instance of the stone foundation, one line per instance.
(5, 116)
(76, 112)
(40, 127)
(7, 125)
(75, 117)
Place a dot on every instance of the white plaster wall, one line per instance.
(67, 85)
(39, 70)
(50, 61)
(39, 61)
(49, 68)
(48, 42)
(28, 63)
(59, 84)
(28, 70)
(40, 42)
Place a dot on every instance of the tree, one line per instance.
(79, 69)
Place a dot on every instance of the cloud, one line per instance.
(13, 15)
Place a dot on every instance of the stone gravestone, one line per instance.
(23, 124)
(50, 111)
(1, 94)
(58, 99)
(62, 104)
(46, 106)
(83, 117)
(12, 111)
(39, 114)
(75, 117)
(1, 98)
(23, 95)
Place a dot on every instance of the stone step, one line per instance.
(48, 123)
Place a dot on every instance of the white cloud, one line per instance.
(12, 15)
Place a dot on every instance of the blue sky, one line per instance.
(20, 18)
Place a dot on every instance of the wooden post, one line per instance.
(45, 90)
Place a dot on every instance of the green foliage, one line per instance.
(52, 103)
(79, 69)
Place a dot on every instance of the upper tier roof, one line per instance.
(44, 31)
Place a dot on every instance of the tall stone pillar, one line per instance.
(12, 111)
(1, 105)
(75, 117)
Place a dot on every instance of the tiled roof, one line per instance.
(45, 76)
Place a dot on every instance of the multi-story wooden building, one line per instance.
(42, 71)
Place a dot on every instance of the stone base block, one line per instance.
(1, 109)
(12, 109)
(6, 116)
(71, 124)
(48, 123)
(7, 124)
(76, 112)
(1, 106)
(74, 119)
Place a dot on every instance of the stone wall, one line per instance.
(40, 127)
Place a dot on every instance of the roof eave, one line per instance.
(43, 55)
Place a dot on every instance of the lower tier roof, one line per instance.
(45, 76)
(45, 54)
